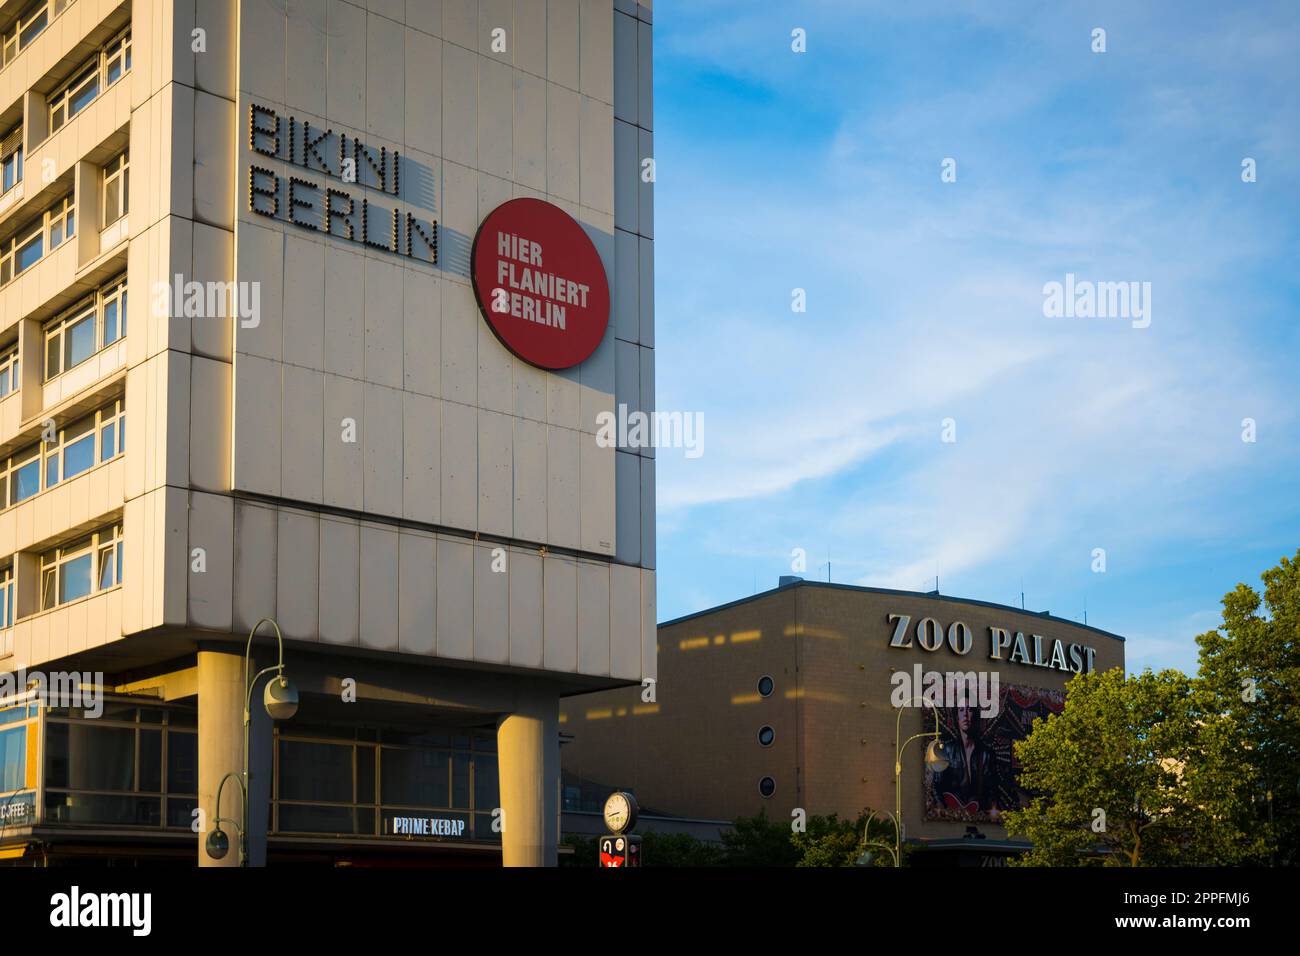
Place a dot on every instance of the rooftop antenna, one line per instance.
(1022, 594)
(1085, 612)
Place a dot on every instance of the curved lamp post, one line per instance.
(935, 759)
(280, 698)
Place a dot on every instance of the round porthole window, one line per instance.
(766, 735)
(765, 686)
(767, 786)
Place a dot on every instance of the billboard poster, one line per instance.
(982, 779)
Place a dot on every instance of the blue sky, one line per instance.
(821, 171)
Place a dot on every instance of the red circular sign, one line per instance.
(540, 283)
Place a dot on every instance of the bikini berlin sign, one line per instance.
(540, 283)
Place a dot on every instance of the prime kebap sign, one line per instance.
(540, 283)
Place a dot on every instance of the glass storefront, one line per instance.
(385, 783)
(135, 765)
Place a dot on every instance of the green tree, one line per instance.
(830, 841)
(1250, 667)
(1135, 771)
(679, 849)
(758, 841)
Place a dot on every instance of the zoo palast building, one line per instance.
(307, 313)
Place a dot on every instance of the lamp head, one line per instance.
(936, 758)
(218, 844)
(280, 698)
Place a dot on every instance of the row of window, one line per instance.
(82, 567)
(38, 239)
(97, 74)
(77, 447)
(85, 329)
(29, 24)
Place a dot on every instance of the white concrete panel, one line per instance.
(425, 15)
(257, 425)
(626, 291)
(530, 392)
(379, 587)
(646, 398)
(530, 131)
(255, 559)
(209, 424)
(381, 442)
(460, 330)
(495, 117)
(460, 22)
(496, 379)
(560, 612)
(627, 375)
(596, 51)
(495, 473)
(624, 622)
(345, 77)
(302, 465)
(459, 463)
(562, 465)
(645, 197)
(307, 54)
(342, 442)
(647, 292)
(530, 36)
(526, 608)
(417, 597)
(491, 603)
(421, 332)
(385, 79)
(625, 67)
(260, 258)
(297, 576)
(627, 210)
(383, 333)
(530, 480)
(211, 586)
(645, 84)
(649, 628)
(214, 261)
(562, 42)
(648, 512)
(460, 69)
(593, 618)
(344, 312)
(597, 495)
(563, 118)
(261, 47)
(340, 599)
(627, 498)
(214, 152)
(421, 468)
(423, 62)
(596, 131)
(455, 598)
(596, 380)
(304, 302)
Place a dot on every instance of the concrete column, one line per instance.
(221, 751)
(528, 755)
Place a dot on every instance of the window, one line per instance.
(83, 330)
(116, 183)
(7, 597)
(30, 244)
(29, 25)
(76, 448)
(765, 736)
(82, 567)
(11, 158)
(767, 786)
(8, 373)
(765, 686)
(96, 74)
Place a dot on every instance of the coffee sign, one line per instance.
(540, 283)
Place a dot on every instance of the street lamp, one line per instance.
(280, 698)
(935, 758)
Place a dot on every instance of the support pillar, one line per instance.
(221, 751)
(528, 755)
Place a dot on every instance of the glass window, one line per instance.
(74, 579)
(79, 447)
(116, 182)
(81, 568)
(765, 686)
(13, 759)
(8, 376)
(7, 597)
(25, 479)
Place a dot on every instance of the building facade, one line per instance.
(252, 229)
(794, 699)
